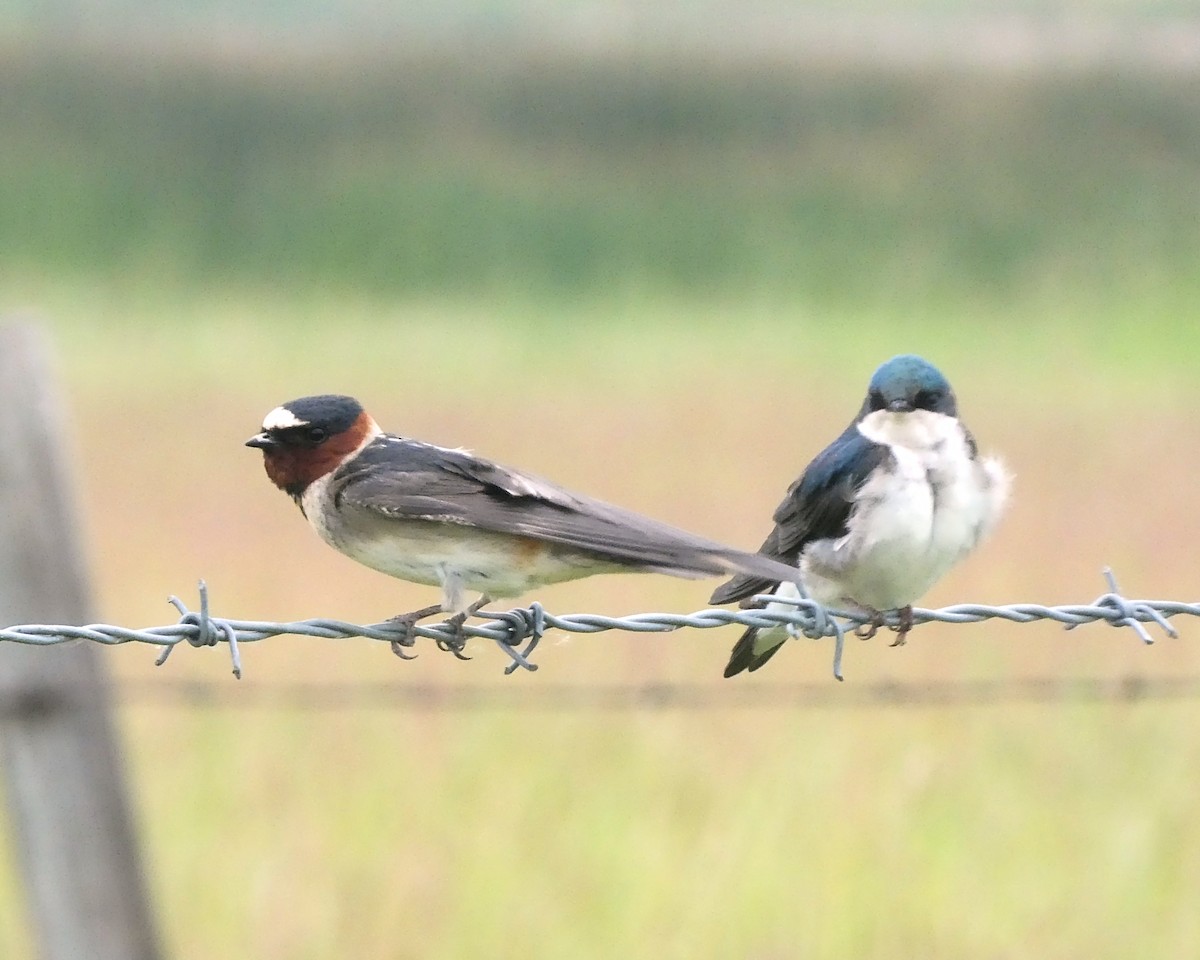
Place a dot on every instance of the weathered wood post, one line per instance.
(59, 763)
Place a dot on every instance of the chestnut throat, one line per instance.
(293, 468)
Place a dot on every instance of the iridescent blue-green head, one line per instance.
(906, 383)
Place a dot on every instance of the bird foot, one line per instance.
(456, 642)
(906, 624)
(865, 631)
(409, 622)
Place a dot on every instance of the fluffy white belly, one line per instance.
(454, 557)
(911, 523)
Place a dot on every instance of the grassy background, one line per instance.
(666, 287)
(531, 175)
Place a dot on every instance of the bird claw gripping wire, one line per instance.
(508, 629)
(208, 631)
(453, 637)
(406, 624)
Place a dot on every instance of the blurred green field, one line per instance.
(884, 832)
(527, 176)
(644, 321)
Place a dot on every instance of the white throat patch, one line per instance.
(281, 418)
(913, 519)
(916, 429)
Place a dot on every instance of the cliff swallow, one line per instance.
(443, 517)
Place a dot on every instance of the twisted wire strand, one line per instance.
(517, 632)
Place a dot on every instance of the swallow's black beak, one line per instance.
(264, 441)
(900, 405)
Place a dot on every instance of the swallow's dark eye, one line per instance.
(928, 399)
(316, 434)
(876, 400)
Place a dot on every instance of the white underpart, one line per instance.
(314, 499)
(911, 522)
(790, 591)
(462, 560)
(458, 559)
(281, 418)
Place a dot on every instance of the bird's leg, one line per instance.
(865, 631)
(455, 645)
(906, 624)
(409, 622)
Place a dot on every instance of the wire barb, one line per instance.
(206, 630)
(1130, 613)
(518, 632)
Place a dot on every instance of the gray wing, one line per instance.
(407, 480)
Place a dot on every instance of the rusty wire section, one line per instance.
(517, 632)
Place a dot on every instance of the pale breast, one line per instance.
(440, 553)
(912, 521)
(444, 554)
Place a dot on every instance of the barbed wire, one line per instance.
(517, 632)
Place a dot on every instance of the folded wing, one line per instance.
(816, 507)
(408, 480)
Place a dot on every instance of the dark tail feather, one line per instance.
(755, 571)
(704, 562)
(744, 657)
(741, 587)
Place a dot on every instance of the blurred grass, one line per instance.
(529, 175)
(665, 287)
(995, 831)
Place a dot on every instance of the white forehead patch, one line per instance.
(281, 418)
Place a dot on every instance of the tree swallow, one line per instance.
(447, 518)
(882, 512)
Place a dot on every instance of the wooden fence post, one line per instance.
(62, 771)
